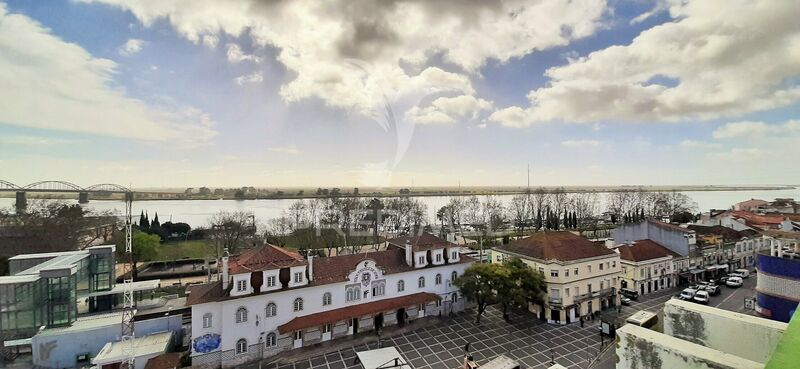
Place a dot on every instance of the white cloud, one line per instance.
(256, 77)
(28, 140)
(748, 129)
(288, 149)
(132, 46)
(580, 143)
(210, 41)
(353, 53)
(716, 58)
(700, 144)
(48, 83)
(741, 154)
(236, 55)
(449, 110)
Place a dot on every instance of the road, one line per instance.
(731, 299)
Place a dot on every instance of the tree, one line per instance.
(144, 247)
(155, 222)
(231, 230)
(682, 217)
(478, 284)
(520, 209)
(519, 286)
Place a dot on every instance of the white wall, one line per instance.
(224, 313)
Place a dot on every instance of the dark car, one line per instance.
(631, 294)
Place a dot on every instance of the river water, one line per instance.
(198, 212)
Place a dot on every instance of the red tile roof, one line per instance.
(203, 293)
(166, 361)
(337, 268)
(643, 250)
(355, 311)
(728, 234)
(562, 246)
(425, 241)
(756, 219)
(264, 258)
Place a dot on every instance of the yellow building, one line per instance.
(582, 276)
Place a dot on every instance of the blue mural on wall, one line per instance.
(207, 343)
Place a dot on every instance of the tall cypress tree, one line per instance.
(142, 220)
(155, 222)
(146, 224)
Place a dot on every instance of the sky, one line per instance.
(178, 93)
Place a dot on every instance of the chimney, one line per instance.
(409, 253)
(310, 267)
(225, 269)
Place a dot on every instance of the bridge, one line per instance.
(59, 187)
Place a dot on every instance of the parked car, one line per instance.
(688, 294)
(702, 284)
(625, 301)
(701, 297)
(744, 273)
(723, 279)
(734, 282)
(713, 289)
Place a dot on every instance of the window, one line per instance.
(566, 292)
(454, 297)
(553, 272)
(298, 304)
(207, 320)
(326, 299)
(298, 277)
(453, 276)
(541, 270)
(241, 346)
(241, 285)
(421, 260)
(602, 285)
(438, 258)
(455, 255)
(298, 335)
(272, 309)
(576, 271)
(566, 272)
(421, 282)
(641, 273)
(353, 293)
(326, 328)
(272, 340)
(614, 264)
(241, 315)
(438, 279)
(590, 268)
(401, 285)
(589, 288)
(438, 303)
(601, 266)
(271, 281)
(378, 289)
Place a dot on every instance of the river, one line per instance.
(198, 212)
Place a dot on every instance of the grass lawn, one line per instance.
(175, 250)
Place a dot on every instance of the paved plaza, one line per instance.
(439, 343)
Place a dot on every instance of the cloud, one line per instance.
(28, 140)
(716, 58)
(700, 144)
(132, 46)
(236, 55)
(210, 41)
(50, 84)
(581, 143)
(445, 110)
(748, 129)
(289, 149)
(353, 54)
(741, 154)
(256, 77)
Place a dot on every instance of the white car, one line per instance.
(734, 282)
(744, 273)
(701, 297)
(688, 294)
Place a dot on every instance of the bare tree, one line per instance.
(278, 230)
(520, 211)
(585, 205)
(232, 231)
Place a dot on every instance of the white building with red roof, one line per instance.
(271, 299)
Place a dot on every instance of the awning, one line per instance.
(382, 358)
(355, 311)
(119, 288)
(696, 271)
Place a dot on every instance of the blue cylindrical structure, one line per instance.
(778, 287)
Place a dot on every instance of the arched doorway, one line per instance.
(378, 320)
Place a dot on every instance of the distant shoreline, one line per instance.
(412, 192)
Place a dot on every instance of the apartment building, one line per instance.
(581, 276)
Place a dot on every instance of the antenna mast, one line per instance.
(128, 332)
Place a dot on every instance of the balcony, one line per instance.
(595, 294)
(555, 300)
